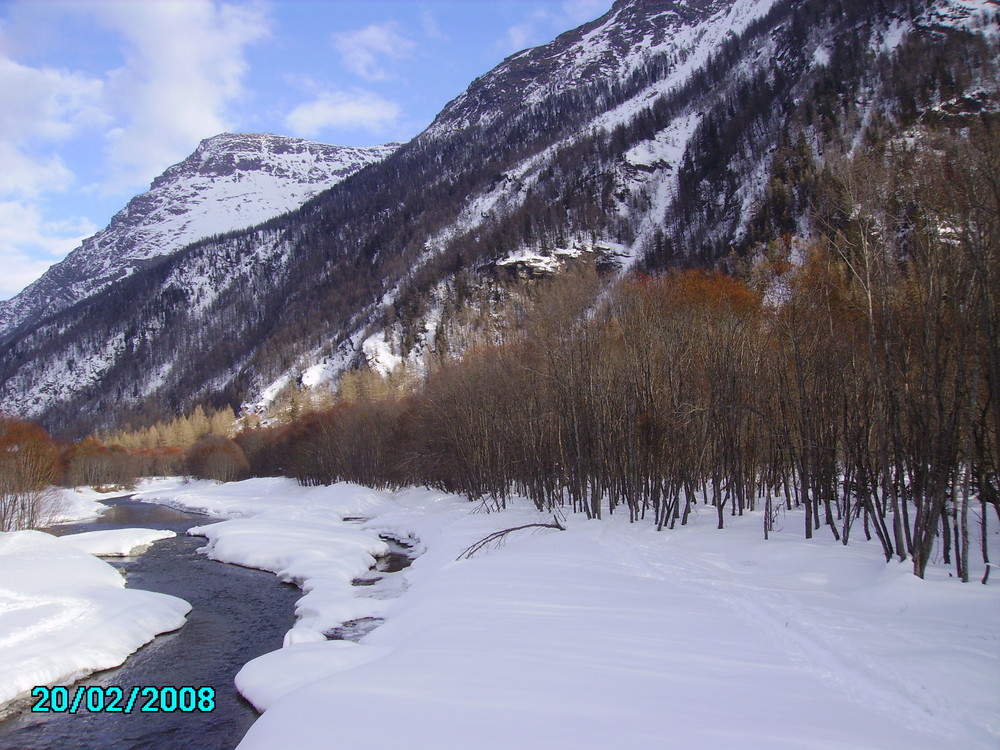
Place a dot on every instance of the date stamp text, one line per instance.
(116, 700)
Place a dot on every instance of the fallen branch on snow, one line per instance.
(497, 536)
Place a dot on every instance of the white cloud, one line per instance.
(431, 28)
(23, 176)
(29, 244)
(364, 51)
(42, 104)
(184, 65)
(356, 109)
(42, 107)
(528, 33)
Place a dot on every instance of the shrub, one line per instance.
(27, 471)
(217, 457)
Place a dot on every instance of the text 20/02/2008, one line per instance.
(114, 699)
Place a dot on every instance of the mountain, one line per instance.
(665, 133)
(231, 182)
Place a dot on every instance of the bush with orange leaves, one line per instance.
(27, 471)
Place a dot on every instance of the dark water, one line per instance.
(399, 557)
(237, 614)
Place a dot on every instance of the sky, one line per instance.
(98, 97)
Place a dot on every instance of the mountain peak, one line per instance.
(232, 181)
(295, 159)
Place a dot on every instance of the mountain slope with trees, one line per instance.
(666, 133)
(854, 377)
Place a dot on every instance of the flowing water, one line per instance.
(237, 614)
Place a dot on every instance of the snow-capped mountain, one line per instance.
(231, 181)
(612, 49)
(656, 135)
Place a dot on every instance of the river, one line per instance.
(238, 614)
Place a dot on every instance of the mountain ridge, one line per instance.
(670, 163)
(230, 182)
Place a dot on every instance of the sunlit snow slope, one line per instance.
(231, 182)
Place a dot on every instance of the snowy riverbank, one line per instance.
(64, 613)
(603, 635)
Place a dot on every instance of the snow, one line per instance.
(231, 182)
(977, 16)
(272, 676)
(299, 534)
(264, 499)
(269, 394)
(115, 542)
(319, 374)
(662, 154)
(667, 148)
(894, 36)
(323, 555)
(693, 46)
(608, 634)
(65, 614)
(317, 369)
(379, 354)
(79, 504)
(548, 263)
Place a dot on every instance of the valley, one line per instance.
(668, 352)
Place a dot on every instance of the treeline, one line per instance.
(27, 470)
(179, 432)
(856, 377)
(32, 463)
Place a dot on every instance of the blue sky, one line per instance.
(97, 97)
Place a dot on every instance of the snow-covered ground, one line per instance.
(78, 504)
(604, 635)
(64, 613)
(299, 534)
(115, 542)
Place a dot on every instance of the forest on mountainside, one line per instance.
(855, 376)
(837, 351)
(220, 321)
